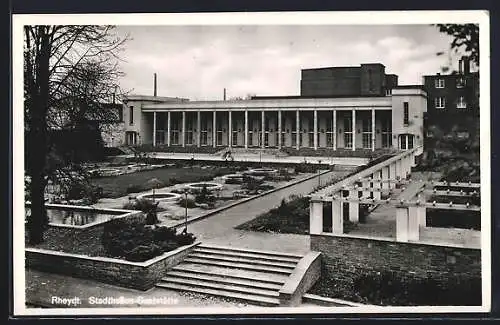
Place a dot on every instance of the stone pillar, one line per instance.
(246, 129)
(214, 129)
(297, 128)
(337, 217)
(353, 206)
(385, 177)
(353, 129)
(406, 139)
(315, 131)
(262, 126)
(376, 185)
(183, 133)
(392, 172)
(279, 130)
(168, 129)
(402, 224)
(316, 217)
(367, 192)
(198, 129)
(413, 223)
(373, 129)
(230, 128)
(334, 140)
(154, 129)
(422, 216)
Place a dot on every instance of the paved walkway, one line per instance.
(265, 158)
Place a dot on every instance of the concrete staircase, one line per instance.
(250, 276)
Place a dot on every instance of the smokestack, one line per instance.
(224, 93)
(154, 84)
(466, 64)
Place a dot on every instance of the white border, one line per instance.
(268, 18)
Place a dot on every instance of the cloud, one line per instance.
(197, 62)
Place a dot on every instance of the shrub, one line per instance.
(130, 239)
(190, 203)
(134, 189)
(185, 238)
(143, 253)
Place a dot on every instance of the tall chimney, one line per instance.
(224, 93)
(466, 63)
(154, 84)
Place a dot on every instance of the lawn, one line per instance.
(117, 186)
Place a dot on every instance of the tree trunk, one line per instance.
(38, 144)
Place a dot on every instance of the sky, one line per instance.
(198, 62)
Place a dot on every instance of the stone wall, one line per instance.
(135, 275)
(346, 258)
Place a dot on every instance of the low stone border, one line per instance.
(247, 199)
(303, 277)
(330, 302)
(134, 275)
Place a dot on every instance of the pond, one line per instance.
(76, 217)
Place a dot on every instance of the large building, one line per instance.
(453, 99)
(360, 118)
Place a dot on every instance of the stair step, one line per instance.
(245, 254)
(252, 283)
(259, 300)
(244, 250)
(271, 278)
(227, 287)
(236, 265)
(208, 256)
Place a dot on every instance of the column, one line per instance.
(337, 217)
(262, 126)
(334, 129)
(392, 172)
(376, 185)
(402, 224)
(230, 128)
(198, 129)
(366, 185)
(385, 177)
(246, 129)
(406, 139)
(315, 132)
(279, 130)
(316, 217)
(183, 128)
(413, 223)
(373, 129)
(353, 206)
(297, 129)
(214, 130)
(168, 129)
(353, 129)
(154, 129)
(422, 216)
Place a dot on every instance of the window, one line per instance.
(460, 82)
(439, 102)
(294, 139)
(266, 139)
(348, 133)
(311, 140)
(234, 140)
(250, 138)
(461, 102)
(386, 133)
(131, 115)
(406, 114)
(204, 138)
(388, 92)
(366, 125)
(329, 139)
(439, 83)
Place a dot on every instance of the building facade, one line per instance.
(364, 111)
(393, 121)
(453, 99)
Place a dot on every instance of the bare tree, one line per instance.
(54, 57)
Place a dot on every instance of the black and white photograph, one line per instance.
(243, 163)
